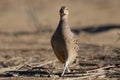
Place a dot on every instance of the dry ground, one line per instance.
(26, 27)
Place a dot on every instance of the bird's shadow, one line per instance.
(96, 29)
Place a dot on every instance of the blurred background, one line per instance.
(18, 14)
(34, 21)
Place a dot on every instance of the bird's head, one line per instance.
(64, 11)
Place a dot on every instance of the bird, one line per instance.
(63, 41)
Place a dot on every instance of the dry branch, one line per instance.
(102, 68)
(10, 69)
(95, 73)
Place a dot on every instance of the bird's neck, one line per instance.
(64, 24)
(64, 18)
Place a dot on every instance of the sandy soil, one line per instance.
(26, 27)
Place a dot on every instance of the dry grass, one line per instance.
(26, 27)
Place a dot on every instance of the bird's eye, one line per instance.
(61, 11)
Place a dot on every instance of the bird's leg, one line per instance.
(65, 67)
(68, 70)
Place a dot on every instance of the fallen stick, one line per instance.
(20, 66)
(41, 65)
(95, 73)
(99, 73)
(46, 63)
(10, 69)
(38, 64)
(92, 75)
(100, 69)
